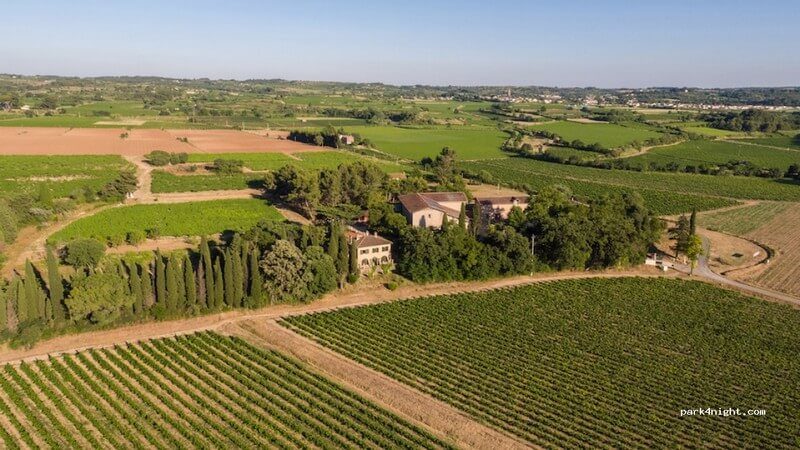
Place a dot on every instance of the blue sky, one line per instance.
(551, 43)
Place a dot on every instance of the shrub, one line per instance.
(115, 240)
(84, 253)
(135, 237)
(392, 285)
(158, 158)
(352, 278)
(153, 233)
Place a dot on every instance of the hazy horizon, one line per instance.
(613, 44)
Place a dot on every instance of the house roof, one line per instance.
(420, 201)
(371, 240)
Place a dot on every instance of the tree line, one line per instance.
(271, 263)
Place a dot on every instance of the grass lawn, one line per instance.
(417, 143)
(695, 153)
(179, 219)
(608, 135)
(571, 364)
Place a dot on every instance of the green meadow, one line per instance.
(418, 143)
(608, 135)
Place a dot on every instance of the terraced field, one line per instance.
(526, 170)
(608, 135)
(175, 219)
(695, 153)
(590, 363)
(200, 391)
(662, 202)
(61, 174)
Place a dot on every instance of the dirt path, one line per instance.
(364, 294)
(406, 401)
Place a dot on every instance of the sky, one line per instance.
(612, 43)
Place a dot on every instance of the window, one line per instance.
(375, 250)
(364, 251)
(385, 248)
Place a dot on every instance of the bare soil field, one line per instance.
(108, 141)
(488, 190)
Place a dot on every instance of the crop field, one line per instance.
(702, 129)
(661, 202)
(176, 219)
(782, 234)
(609, 135)
(697, 153)
(198, 391)
(304, 160)
(61, 174)
(790, 142)
(741, 221)
(165, 182)
(734, 187)
(417, 143)
(575, 363)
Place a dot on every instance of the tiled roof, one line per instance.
(371, 240)
(420, 201)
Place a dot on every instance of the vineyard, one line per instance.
(608, 135)
(782, 234)
(661, 202)
(61, 174)
(590, 363)
(734, 187)
(165, 182)
(741, 221)
(177, 219)
(695, 153)
(200, 391)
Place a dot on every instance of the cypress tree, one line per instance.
(462, 216)
(135, 284)
(238, 278)
(244, 254)
(227, 273)
(256, 281)
(173, 289)
(693, 222)
(147, 287)
(189, 283)
(208, 272)
(333, 242)
(12, 313)
(476, 224)
(34, 294)
(354, 259)
(343, 261)
(55, 286)
(22, 305)
(161, 280)
(3, 309)
(219, 292)
(200, 280)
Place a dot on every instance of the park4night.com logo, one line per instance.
(723, 412)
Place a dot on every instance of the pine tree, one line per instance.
(135, 283)
(462, 216)
(256, 280)
(161, 280)
(219, 291)
(173, 290)
(208, 272)
(190, 283)
(147, 287)
(55, 286)
(227, 274)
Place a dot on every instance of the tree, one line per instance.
(190, 283)
(323, 275)
(173, 289)
(354, 269)
(98, 297)
(284, 271)
(693, 222)
(84, 253)
(136, 288)
(207, 272)
(4, 294)
(681, 234)
(147, 287)
(161, 281)
(238, 276)
(228, 280)
(343, 260)
(694, 250)
(476, 224)
(55, 285)
(34, 294)
(462, 216)
(219, 286)
(516, 217)
(256, 280)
